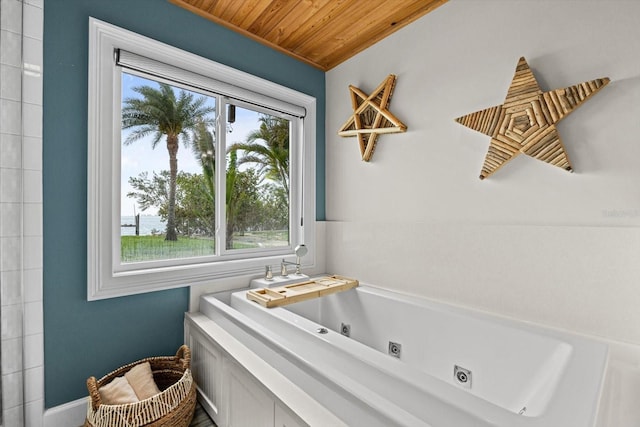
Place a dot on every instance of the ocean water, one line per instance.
(147, 224)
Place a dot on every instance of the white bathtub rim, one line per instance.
(490, 411)
(441, 392)
(558, 360)
(374, 359)
(492, 416)
(553, 330)
(577, 340)
(303, 405)
(372, 400)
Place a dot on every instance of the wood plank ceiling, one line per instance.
(322, 33)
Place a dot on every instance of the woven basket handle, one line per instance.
(94, 394)
(184, 355)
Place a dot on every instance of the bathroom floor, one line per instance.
(201, 419)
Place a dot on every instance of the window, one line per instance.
(196, 171)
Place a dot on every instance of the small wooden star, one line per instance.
(525, 123)
(371, 116)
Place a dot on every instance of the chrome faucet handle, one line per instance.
(300, 251)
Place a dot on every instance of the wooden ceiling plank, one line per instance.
(307, 29)
(322, 33)
(247, 7)
(187, 6)
(357, 43)
(206, 5)
(351, 40)
(358, 23)
(272, 16)
(213, 6)
(201, 4)
(227, 9)
(303, 12)
(217, 9)
(249, 12)
(349, 23)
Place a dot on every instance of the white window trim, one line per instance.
(103, 186)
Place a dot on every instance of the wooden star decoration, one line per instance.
(371, 116)
(525, 122)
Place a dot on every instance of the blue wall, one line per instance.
(91, 338)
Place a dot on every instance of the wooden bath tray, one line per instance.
(296, 292)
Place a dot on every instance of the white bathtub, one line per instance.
(520, 374)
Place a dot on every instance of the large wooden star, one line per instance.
(371, 116)
(525, 123)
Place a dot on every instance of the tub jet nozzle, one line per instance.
(462, 376)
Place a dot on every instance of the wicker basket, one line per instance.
(173, 407)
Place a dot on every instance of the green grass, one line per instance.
(261, 239)
(151, 248)
(146, 248)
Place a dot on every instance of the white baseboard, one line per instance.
(71, 414)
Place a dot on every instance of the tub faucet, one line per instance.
(283, 267)
(300, 251)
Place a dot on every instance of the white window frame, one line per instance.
(107, 277)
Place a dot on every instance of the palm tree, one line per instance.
(231, 200)
(204, 150)
(160, 113)
(272, 156)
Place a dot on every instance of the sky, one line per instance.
(139, 156)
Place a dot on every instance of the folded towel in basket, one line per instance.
(141, 381)
(118, 392)
(137, 384)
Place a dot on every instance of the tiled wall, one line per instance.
(21, 27)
